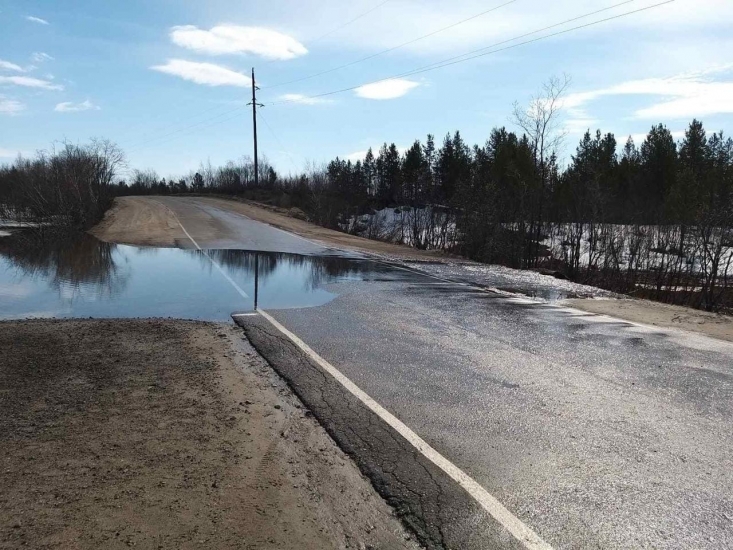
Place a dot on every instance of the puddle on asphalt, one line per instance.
(85, 277)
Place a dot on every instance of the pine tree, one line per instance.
(659, 170)
(414, 173)
(370, 172)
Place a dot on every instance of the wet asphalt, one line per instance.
(225, 229)
(596, 433)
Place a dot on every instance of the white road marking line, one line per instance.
(523, 533)
(496, 509)
(216, 265)
(288, 233)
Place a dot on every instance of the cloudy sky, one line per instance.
(169, 80)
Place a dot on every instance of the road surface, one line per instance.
(592, 432)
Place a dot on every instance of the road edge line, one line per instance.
(522, 532)
(216, 264)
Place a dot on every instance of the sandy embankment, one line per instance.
(139, 221)
(167, 434)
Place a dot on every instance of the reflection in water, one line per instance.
(314, 271)
(68, 262)
(83, 277)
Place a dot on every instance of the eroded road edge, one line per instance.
(434, 507)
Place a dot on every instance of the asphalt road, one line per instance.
(217, 228)
(595, 433)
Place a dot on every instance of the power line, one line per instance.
(370, 10)
(393, 48)
(187, 129)
(349, 22)
(444, 63)
(219, 106)
(462, 58)
(280, 143)
(553, 26)
(422, 69)
(164, 127)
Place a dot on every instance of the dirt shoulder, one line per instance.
(167, 434)
(651, 313)
(139, 221)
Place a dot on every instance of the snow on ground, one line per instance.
(529, 283)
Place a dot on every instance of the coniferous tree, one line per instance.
(659, 170)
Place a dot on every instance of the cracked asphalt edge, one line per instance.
(440, 513)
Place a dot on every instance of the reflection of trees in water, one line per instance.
(75, 260)
(316, 270)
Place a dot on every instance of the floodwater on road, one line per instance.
(85, 277)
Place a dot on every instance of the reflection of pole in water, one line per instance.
(257, 272)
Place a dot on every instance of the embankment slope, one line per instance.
(167, 434)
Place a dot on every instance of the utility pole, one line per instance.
(254, 124)
(257, 277)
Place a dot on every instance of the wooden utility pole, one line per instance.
(254, 125)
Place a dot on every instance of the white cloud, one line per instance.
(359, 155)
(10, 106)
(40, 57)
(30, 82)
(69, 107)
(682, 96)
(208, 74)
(36, 20)
(640, 138)
(7, 65)
(580, 125)
(7, 153)
(303, 99)
(231, 39)
(386, 89)
(707, 99)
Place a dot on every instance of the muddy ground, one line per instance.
(167, 434)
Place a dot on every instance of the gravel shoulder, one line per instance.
(656, 314)
(167, 434)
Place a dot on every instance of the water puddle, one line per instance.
(85, 277)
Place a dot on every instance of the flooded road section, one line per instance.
(85, 277)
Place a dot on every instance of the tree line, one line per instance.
(67, 187)
(653, 219)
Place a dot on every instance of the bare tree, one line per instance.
(540, 121)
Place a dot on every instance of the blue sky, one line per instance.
(168, 80)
